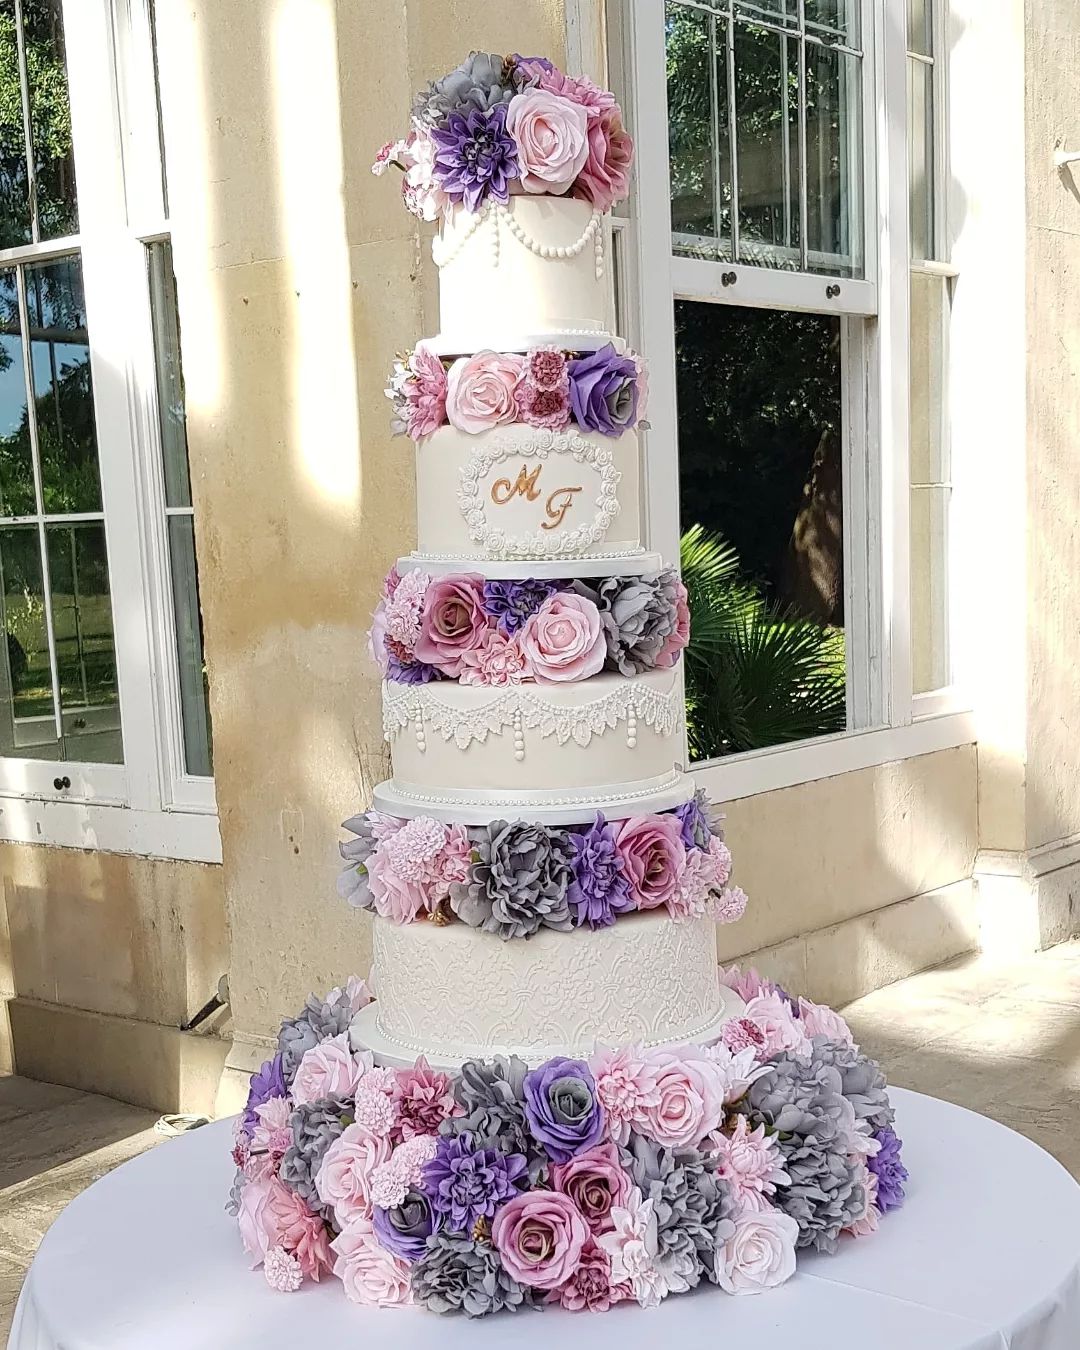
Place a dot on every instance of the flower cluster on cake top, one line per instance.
(502, 124)
(603, 391)
(515, 878)
(625, 1176)
(463, 626)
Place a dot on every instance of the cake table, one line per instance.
(984, 1256)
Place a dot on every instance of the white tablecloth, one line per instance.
(984, 1256)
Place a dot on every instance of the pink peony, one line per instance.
(452, 864)
(302, 1233)
(453, 621)
(480, 390)
(329, 1069)
(625, 1085)
(343, 1180)
(742, 1034)
(596, 1182)
(746, 983)
(721, 856)
(783, 1031)
(551, 135)
(751, 1164)
(681, 635)
(759, 1255)
(540, 1236)
(394, 897)
(696, 881)
(497, 661)
(691, 1098)
(819, 1020)
(653, 857)
(370, 1274)
(727, 906)
(605, 175)
(543, 407)
(564, 640)
(577, 88)
(272, 1129)
(424, 1097)
(403, 610)
(589, 1288)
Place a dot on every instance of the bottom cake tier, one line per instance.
(452, 993)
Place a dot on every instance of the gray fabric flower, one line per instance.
(352, 882)
(459, 1275)
(639, 614)
(491, 1094)
(518, 880)
(232, 1205)
(861, 1081)
(482, 81)
(300, 1034)
(315, 1126)
(694, 1207)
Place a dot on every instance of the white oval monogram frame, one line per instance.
(540, 444)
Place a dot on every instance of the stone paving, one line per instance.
(1001, 1039)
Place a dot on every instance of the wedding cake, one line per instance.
(555, 1094)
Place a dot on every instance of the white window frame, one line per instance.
(147, 805)
(885, 722)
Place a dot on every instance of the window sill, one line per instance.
(785, 766)
(172, 835)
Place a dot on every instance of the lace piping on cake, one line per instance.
(540, 800)
(525, 442)
(498, 214)
(521, 708)
(599, 556)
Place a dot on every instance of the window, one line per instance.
(770, 288)
(102, 687)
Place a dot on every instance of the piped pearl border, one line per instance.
(498, 215)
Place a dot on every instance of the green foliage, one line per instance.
(756, 674)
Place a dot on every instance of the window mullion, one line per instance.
(733, 139)
(804, 204)
(28, 133)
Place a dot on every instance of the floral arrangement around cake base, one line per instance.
(584, 1183)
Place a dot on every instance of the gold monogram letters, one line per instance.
(525, 485)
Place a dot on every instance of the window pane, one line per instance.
(194, 693)
(699, 153)
(766, 101)
(170, 378)
(920, 157)
(919, 32)
(759, 399)
(833, 161)
(27, 720)
(15, 227)
(85, 651)
(16, 464)
(50, 116)
(63, 388)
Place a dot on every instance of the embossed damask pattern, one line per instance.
(457, 993)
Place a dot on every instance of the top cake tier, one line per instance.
(528, 273)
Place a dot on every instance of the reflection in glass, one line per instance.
(760, 453)
(833, 159)
(170, 378)
(25, 677)
(694, 98)
(15, 227)
(919, 19)
(920, 160)
(50, 118)
(63, 388)
(16, 464)
(194, 692)
(85, 647)
(766, 99)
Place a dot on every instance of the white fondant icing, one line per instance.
(634, 562)
(455, 993)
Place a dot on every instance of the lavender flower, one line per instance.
(599, 890)
(459, 1274)
(562, 1109)
(694, 819)
(510, 603)
(889, 1170)
(405, 1229)
(466, 1183)
(475, 157)
(604, 391)
(268, 1082)
(410, 672)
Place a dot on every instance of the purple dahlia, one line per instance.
(889, 1170)
(409, 672)
(600, 889)
(268, 1082)
(465, 1183)
(475, 157)
(511, 603)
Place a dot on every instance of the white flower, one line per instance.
(632, 1246)
(739, 1068)
(759, 1255)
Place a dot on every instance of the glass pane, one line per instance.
(50, 116)
(27, 719)
(920, 162)
(170, 378)
(834, 20)
(15, 226)
(16, 464)
(194, 692)
(699, 161)
(919, 31)
(929, 588)
(833, 161)
(63, 388)
(85, 650)
(766, 101)
(759, 398)
(930, 491)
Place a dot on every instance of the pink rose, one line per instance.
(453, 621)
(540, 1236)
(376, 639)
(394, 896)
(759, 1255)
(782, 1030)
(329, 1069)
(680, 635)
(302, 1233)
(498, 661)
(818, 1020)
(480, 390)
(653, 856)
(258, 1231)
(691, 1098)
(370, 1274)
(605, 175)
(596, 1183)
(564, 640)
(343, 1180)
(551, 135)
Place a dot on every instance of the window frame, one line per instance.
(148, 804)
(886, 722)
